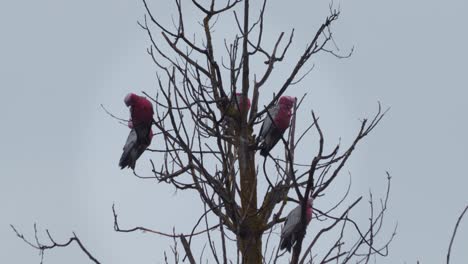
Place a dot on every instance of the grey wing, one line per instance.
(292, 222)
(130, 145)
(131, 141)
(268, 122)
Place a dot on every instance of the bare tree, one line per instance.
(212, 152)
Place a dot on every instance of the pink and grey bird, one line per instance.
(240, 103)
(141, 113)
(292, 226)
(275, 124)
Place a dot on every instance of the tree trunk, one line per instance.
(249, 235)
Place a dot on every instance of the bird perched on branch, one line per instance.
(239, 104)
(141, 113)
(292, 226)
(275, 124)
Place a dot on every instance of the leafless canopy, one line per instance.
(195, 150)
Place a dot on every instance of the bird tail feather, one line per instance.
(124, 161)
(264, 151)
(286, 244)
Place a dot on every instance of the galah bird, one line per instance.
(236, 106)
(141, 112)
(275, 124)
(292, 226)
(239, 104)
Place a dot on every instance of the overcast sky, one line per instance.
(59, 60)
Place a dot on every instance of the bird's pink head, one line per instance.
(287, 101)
(240, 100)
(131, 99)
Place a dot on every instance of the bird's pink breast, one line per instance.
(243, 101)
(283, 118)
(309, 213)
(244, 106)
(142, 112)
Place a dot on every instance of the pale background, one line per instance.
(59, 60)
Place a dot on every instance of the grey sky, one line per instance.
(59, 60)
